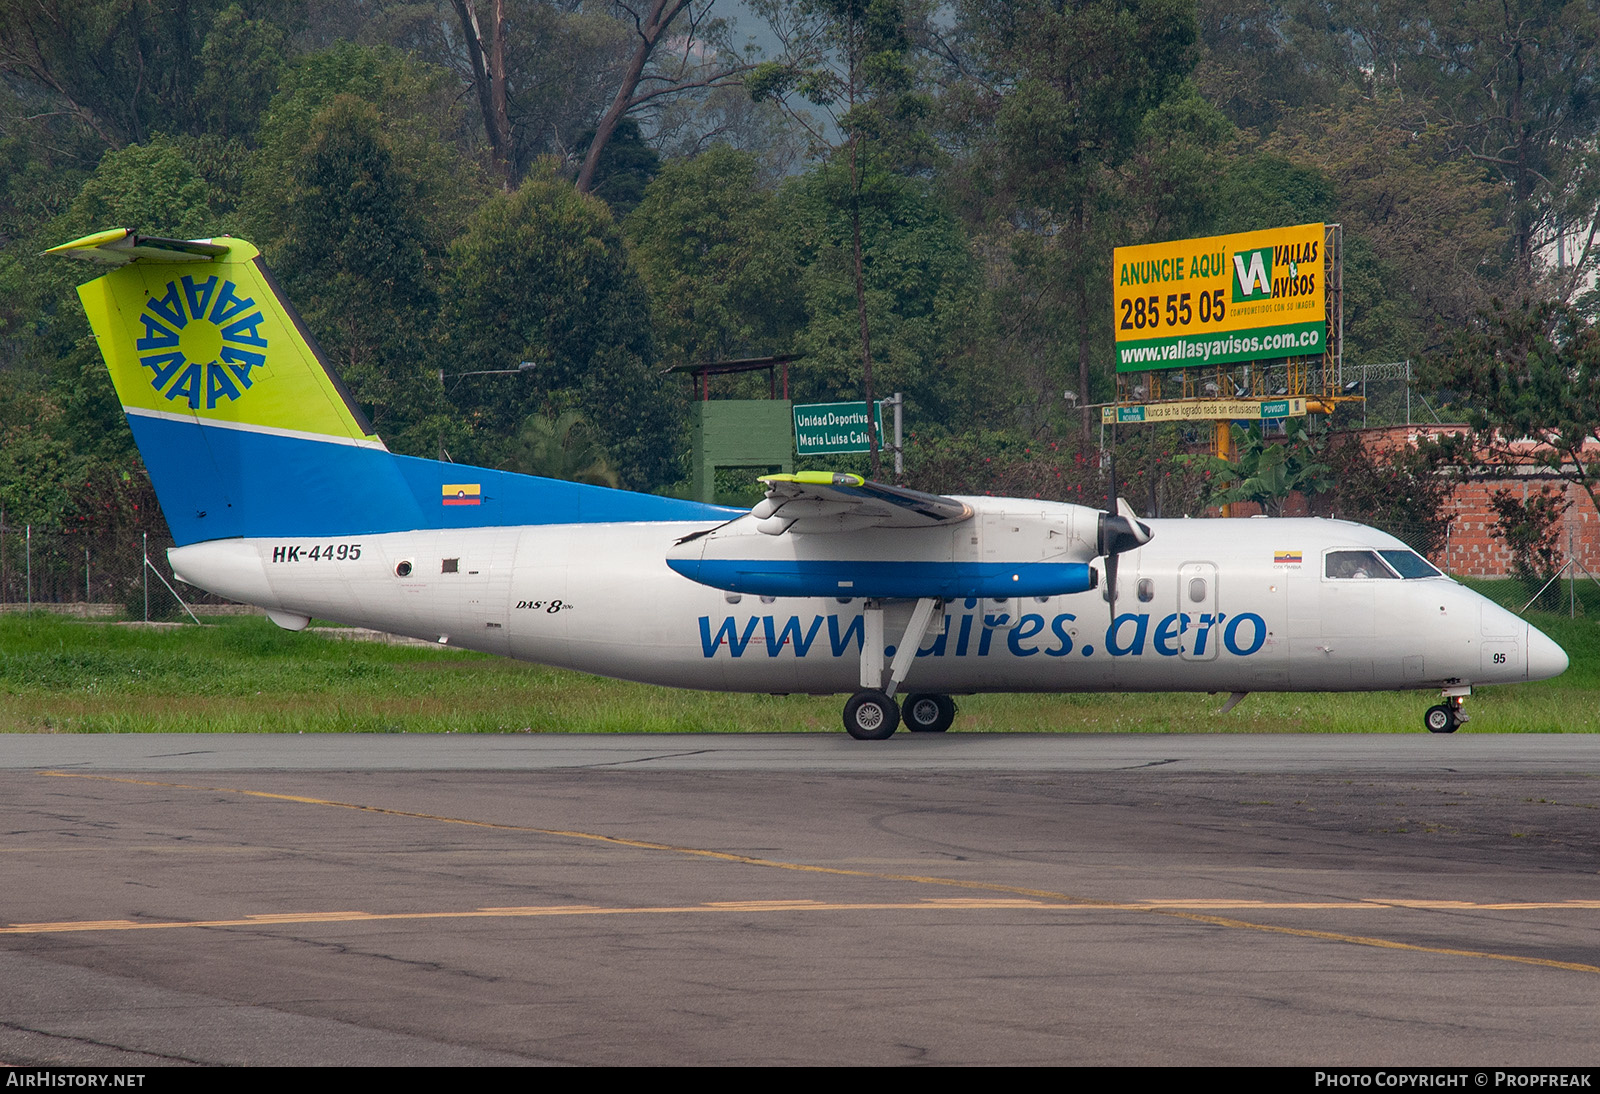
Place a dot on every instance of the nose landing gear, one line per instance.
(1447, 717)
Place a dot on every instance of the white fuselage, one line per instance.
(1207, 605)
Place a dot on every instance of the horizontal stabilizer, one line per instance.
(120, 246)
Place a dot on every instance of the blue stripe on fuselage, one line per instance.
(843, 577)
(216, 483)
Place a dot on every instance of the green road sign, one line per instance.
(1195, 409)
(822, 429)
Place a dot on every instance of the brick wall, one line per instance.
(1476, 551)
(1473, 549)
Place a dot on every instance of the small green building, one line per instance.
(755, 433)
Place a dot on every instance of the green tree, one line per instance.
(1527, 380)
(40, 470)
(239, 66)
(1263, 60)
(1530, 526)
(355, 259)
(127, 71)
(1508, 87)
(542, 275)
(721, 274)
(850, 59)
(426, 132)
(1402, 490)
(676, 46)
(1264, 189)
(624, 168)
(1168, 184)
(562, 447)
(1266, 472)
(1420, 224)
(1071, 86)
(878, 250)
(562, 78)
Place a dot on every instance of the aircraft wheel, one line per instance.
(871, 716)
(928, 713)
(1440, 719)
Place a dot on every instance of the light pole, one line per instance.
(522, 366)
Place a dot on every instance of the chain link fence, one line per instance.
(101, 576)
(1572, 591)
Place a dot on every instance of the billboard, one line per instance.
(1197, 302)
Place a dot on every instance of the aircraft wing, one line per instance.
(823, 502)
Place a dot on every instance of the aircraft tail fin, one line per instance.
(247, 431)
(198, 329)
(231, 403)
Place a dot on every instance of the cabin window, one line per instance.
(1197, 590)
(1147, 590)
(1355, 565)
(449, 565)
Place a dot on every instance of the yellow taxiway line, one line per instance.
(1042, 899)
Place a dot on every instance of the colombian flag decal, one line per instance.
(1286, 558)
(463, 493)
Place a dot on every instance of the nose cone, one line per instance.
(1545, 658)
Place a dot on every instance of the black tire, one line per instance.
(928, 713)
(1440, 719)
(871, 716)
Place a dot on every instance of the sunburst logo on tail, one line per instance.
(201, 341)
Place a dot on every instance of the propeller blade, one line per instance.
(1120, 531)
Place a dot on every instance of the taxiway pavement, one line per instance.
(1315, 900)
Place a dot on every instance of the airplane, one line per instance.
(279, 494)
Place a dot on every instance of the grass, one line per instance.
(243, 675)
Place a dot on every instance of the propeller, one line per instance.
(1120, 530)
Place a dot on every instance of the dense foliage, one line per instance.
(915, 197)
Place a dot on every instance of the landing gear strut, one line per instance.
(872, 713)
(1447, 717)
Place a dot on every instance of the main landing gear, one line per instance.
(1447, 717)
(872, 713)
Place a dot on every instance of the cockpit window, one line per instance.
(1410, 564)
(1359, 565)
